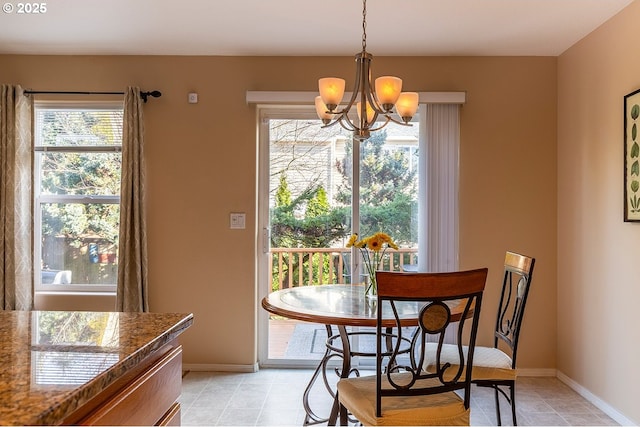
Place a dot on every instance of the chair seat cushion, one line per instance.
(358, 395)
(488, 363)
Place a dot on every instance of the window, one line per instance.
(78, 162)
(312, 188)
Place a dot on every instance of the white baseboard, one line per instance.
(537, 372)
(596, 401)
(219, 368)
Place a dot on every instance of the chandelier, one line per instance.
(380, 98)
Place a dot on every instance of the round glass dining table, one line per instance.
(337, 305)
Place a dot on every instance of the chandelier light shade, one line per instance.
(388, 90)
(371, 101)
(371, 113)
(323, 111)
(407, 105)
(331, 91)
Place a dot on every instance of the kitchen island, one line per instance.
(90, 368)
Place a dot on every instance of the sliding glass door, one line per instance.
(317, 187)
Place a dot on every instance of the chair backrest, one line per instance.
(442, 299)
(518, 271)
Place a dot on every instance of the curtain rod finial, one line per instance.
(154, 93)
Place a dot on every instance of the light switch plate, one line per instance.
(237, 220)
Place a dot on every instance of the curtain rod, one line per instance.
(143, 95)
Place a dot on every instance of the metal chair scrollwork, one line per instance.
(401, 392)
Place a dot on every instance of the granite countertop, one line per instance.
(51, 362)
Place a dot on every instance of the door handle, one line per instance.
(266, 236)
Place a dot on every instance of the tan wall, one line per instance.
(598, 253)
(202, 166)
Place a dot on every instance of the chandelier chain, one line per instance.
(364, 25)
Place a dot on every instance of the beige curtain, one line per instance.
(16, 200)
(132, 292)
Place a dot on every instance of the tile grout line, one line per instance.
(264, 402)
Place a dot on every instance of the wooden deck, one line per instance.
(280, 332)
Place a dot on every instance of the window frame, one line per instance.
(40, 199)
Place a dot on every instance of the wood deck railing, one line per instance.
(291, 267)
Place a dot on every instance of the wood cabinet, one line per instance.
(148, 395)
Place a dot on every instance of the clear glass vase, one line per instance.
(370, 288)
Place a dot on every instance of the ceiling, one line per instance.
(303, 27)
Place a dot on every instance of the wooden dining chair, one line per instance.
(401, 392)
(495, 366)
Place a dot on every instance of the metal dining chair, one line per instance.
(401, 392)
(495, 366)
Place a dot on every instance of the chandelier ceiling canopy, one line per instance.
(381, 97)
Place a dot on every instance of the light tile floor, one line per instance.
(274, 397)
